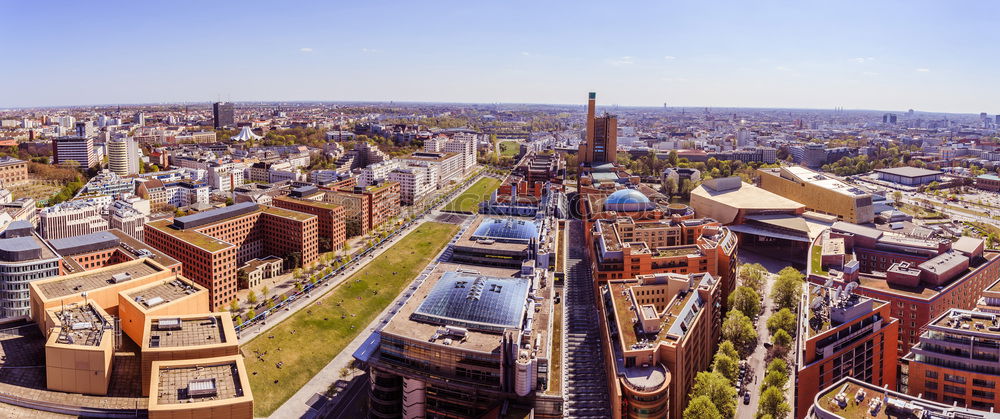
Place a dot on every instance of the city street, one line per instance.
(756, 361)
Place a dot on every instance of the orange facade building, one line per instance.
(957, 361)
(631, 235)
(660, 331)
(843, 334)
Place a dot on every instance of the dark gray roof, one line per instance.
(857, 230)
(211, 216)
(304, 191)
(20, 249)
(86, 243)
(19, 228)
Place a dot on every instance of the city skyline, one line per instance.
(885, 56)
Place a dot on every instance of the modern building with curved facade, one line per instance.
(661, 330)
(24, 257)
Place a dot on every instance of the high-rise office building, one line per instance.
(123, 156)
(601, 142)
(77, 149)
(139, 119)
(223, 114)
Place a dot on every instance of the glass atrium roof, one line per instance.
(475, 302)
(506, 230)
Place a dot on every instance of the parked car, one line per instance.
(746, 398)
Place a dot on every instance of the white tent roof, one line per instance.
(246, 134)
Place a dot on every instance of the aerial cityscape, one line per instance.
(453, 210)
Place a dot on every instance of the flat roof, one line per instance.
(969, 321)
(877, 283)
(177, 383)
(475, 302)
(841, 399)
(815, 178)
(195, 238)
(909, 171)
(747, 196)
(81, 325)
(84, 244)
(215, 215)
(163, 292)
(177, 332)
(281, 212)
(92, 280)
(402, 325)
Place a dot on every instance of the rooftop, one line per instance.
(743, 195)
(506, 229)
(199, 383)
(909, 171)
(967, 320)
(851, 398)
(166, 332)
(805, 175)
(403, 325)
(82, 325)
(878, 283)
(96, 279)
(475, 302)
(163, 292)
(195, 238)
(281, 212)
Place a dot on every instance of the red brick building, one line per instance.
(331, 218)
(212, 245)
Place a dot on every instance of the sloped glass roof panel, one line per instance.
(475, 302)
(506, 230)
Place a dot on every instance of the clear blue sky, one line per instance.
(892, 55)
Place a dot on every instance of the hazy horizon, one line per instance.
(928, 56)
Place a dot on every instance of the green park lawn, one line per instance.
(313, 336)
(469, 200)
(510, 148)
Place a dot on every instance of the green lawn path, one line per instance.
(310, 338)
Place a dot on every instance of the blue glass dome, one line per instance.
(627, 200)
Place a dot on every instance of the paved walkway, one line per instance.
(298, 406)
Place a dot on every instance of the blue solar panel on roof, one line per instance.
(481, 303)
(506, 230)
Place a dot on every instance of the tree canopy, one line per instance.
(718, 389)
(701, 407)
(738, 328)
(728, 367)
(746, 300)
(782, 320)
(787, 289)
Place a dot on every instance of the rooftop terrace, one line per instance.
(850, 398)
